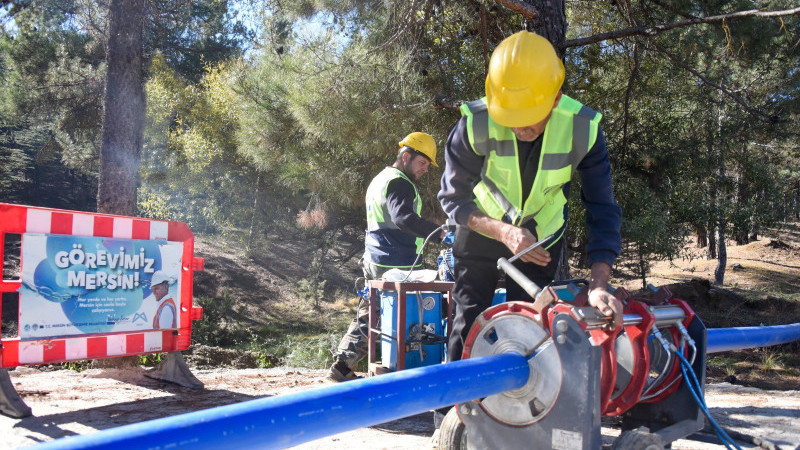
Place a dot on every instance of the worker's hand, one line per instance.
(518, 239)
(608, 305)
(600, 298)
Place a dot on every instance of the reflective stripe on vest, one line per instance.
(378, 216)
(568, 136)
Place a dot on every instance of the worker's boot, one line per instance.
(340, 372)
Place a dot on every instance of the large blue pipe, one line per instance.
(288, 420)
(726, 339)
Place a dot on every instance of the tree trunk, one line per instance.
(712, 241)
(712, 205)
(123, 110)
(741, 229)
(702, 237)
(753, 234)
(253, 216)
(722, 260)
(123, 121)
(722, 253)
(550, 23)
(562, 270)
(643, 266)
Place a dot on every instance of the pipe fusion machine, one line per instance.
(580, 371)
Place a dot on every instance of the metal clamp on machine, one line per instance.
(580, 370)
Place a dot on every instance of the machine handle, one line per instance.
(524, 282)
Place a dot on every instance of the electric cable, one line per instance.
(694, 387)
(362, 299)
(424, 243)
(646, 395)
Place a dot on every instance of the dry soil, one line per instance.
(67, 403)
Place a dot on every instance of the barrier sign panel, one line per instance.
(76, 285)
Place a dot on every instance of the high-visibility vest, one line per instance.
(378, 216)
(568, 136)
(169, 305)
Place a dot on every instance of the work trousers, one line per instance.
(353, 346)
(476, 279)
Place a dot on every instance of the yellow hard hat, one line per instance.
(525, 75)
(423, 143)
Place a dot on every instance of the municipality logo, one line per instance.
(138, 316)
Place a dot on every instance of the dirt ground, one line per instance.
(770, 264)
(66, 403)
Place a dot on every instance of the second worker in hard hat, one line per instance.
(509, 162)
(394, 236)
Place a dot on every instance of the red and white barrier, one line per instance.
(22, 220)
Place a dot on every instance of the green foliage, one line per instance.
(218, 327)
(310, 289)
(313, 352)
(191, 170)
(52, 66)
(240, 143)
(650, 231)
(149, 360)
(770, 360)
(77, 366)
(687, 157)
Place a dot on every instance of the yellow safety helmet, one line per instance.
(423, 143)
(525, 75)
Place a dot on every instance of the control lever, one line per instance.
(524, 282)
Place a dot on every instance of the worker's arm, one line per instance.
(603, 214)
(603, 219)
(462, 170)
(515, 238)
(400, 196)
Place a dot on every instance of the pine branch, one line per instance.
(528, 11)
(656, 29)
(442, 101)
(628, 93)
(483, 39)
(721, 88)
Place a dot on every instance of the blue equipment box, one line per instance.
(499, 296)
(431, 305)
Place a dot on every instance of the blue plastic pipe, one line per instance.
(288, 420)
(726, 339)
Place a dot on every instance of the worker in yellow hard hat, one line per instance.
(509, 163)
(395, 234)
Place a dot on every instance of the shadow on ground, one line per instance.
(181, 400)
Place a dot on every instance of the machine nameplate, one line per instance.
(566, 440)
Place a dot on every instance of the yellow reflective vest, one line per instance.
(568, 136)
(378, 215)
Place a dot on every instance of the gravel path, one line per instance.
(66, 403)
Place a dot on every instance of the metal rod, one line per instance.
(524, 282)
(288, 420)
(725, 339)
(663, 314)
